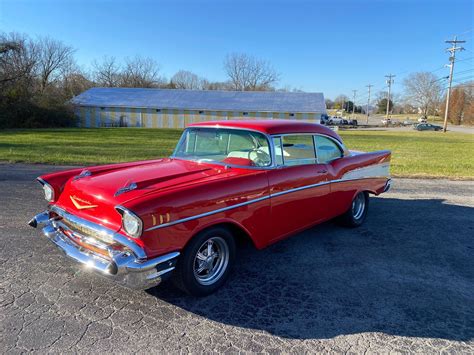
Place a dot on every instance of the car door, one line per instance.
(330, 154)
(299, 186)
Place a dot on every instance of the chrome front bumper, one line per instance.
(126, 265)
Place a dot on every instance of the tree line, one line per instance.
(39, 76)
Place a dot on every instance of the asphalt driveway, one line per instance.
(402, 282)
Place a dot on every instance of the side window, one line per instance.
(298, 149)
(326, 149)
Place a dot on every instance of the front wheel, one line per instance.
(206, 262)
(356, 214)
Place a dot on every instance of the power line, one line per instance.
(465, 77)
(452, 59)
(463, 33)
(464, 59)
(464, 71)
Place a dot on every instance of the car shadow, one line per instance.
(408, 271)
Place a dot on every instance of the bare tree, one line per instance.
(18, 58)
(184, 79)
(340, 100)
(75, 82)
(141, 72)
(249, 73)
(424, 90)
(216, 85)
(54, 58)
(106, 73)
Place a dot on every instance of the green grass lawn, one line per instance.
(414, 154)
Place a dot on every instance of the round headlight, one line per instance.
(48, 192)
(131, 224)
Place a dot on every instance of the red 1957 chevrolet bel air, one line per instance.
(140, 222)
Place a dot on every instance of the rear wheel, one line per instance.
(356, 214)
(206, 262)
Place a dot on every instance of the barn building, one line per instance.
(164, 108)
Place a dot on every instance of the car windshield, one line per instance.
(223, 145)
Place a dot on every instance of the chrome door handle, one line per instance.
(322, 171)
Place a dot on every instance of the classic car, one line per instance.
(139, 223)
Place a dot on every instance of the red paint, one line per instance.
(272, 127)
(173, 189)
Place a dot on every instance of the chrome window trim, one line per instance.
(302, 159)
(267, 137)
(187, 219)
(341, 147)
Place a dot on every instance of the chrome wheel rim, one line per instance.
(211, 261)
(358, 206)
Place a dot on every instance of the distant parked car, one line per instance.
(324, 119)
(427, 127)
(408, 122)
(342, 121)
(335, 120)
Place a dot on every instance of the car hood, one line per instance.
(94, 197)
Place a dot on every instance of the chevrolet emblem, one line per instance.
(75, 200)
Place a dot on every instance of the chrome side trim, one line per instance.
(302, 188)
(187, 219)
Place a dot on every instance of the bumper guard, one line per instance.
(129, 268)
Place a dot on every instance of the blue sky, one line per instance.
(329, 46)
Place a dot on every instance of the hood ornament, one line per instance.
(131, 186)
(83, 173)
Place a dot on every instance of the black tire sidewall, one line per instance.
(185, 265)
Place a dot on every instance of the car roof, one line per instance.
(272, 127)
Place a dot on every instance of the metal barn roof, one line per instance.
(208, 100)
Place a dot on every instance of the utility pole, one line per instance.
(452, 59)
(368, 103)
(353, 103)
(389, 82)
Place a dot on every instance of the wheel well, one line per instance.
(242, 238)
